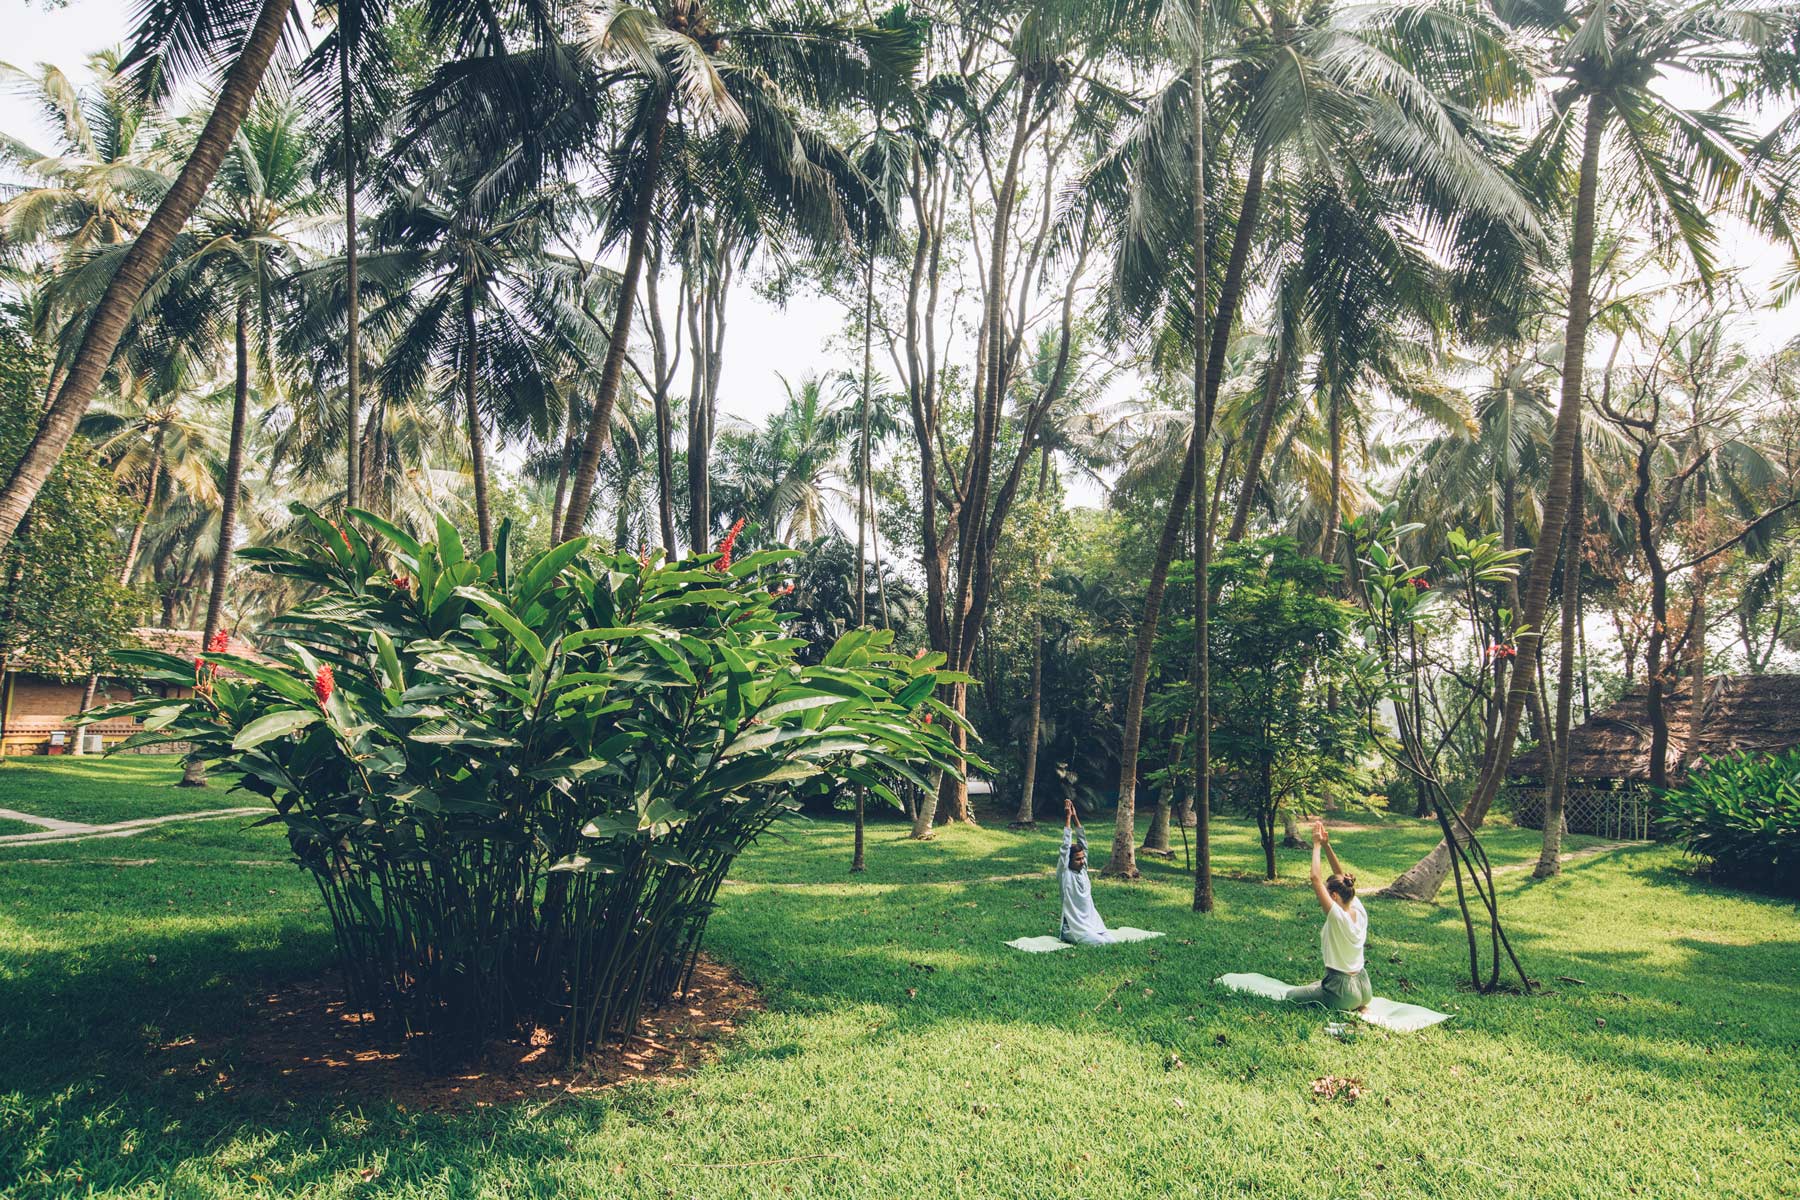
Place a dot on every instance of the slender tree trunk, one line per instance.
(472, 416)
(113, 313)
(1654, 683)
(1422, 880)
(862, 482)
(1259, 446)
(194, 772)
(1556, 796)
(1334, 514)
(607, 395)
(1027, 814)
(352, 330)
(564, 454)
(136, 544)
(856, 857)
(1206, 395)
(132, 547)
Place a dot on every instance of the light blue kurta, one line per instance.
(1081, 924)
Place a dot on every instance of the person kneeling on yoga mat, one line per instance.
(1081, 924)
(1346, 983)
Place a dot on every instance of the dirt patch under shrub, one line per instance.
(304, 1041)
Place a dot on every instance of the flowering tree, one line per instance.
(1417, 622)
(519, 786)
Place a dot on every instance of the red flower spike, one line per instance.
(726, 546)
(324, 684)
(928, 718)
(220, 642)
(402, 583)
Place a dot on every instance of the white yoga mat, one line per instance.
(1045, 944)
(1388, 1014)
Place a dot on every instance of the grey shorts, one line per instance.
(1337, 991)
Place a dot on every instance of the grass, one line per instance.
(98, 792)
(907, 1053)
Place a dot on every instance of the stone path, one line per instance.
(52, 830)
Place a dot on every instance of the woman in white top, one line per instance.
(1346, 983)
(1081, 923)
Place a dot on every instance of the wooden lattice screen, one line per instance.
(1602, 810)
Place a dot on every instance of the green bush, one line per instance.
(519, 789)
(1743, 814)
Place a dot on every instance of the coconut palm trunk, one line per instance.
(862, 482)
(1034, 721)
(113, 313)
(472, 415)
(352, 332)
(132, 549)
(1259, 445)
(587, 470)
(194, 773)
(136, 544)
(1206, 390)
(1556, 796)
(1422, 880)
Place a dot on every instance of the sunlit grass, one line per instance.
(908, 1053)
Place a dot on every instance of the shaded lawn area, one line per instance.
(908, 1053)
(101, 791)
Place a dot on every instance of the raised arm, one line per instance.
(1337, 868)
(1318, 873)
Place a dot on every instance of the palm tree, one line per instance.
(691, 79)
(1677, 167)
(471, 296)
(174, 41)
(158, 431)
(253, 233)
(792, 473)
(1302, 91)
(354, 57)
(102, 179)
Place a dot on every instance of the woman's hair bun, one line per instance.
(1349, 879)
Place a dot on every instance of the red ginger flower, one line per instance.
(725, 547)
(219, 643)
(402, 583)
(324, 684)
(1421, 585)
(778, 593)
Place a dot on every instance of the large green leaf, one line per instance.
(272, 725)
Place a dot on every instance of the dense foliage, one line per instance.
(1742, 814)
(520, 785)
(1288, 725)
(63, 605)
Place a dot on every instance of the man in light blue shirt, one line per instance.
(1081, 924)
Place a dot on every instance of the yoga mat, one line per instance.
(1046, 944)
(1388, 1014)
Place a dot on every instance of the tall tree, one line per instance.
(692, 76)
(175, 41)
(1675, 166)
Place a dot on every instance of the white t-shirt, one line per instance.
(1343, 936)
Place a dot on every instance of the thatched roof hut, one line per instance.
(1759, 713)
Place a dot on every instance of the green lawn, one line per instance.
(100, 791)
(907, 1053)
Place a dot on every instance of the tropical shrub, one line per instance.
(519, 788)
(1743, 814)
